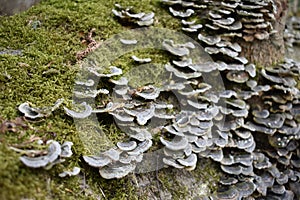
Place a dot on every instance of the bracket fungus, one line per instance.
(127, 146)
(128, 42)
(75, 171)
(97, 161)
(176, 49)
(117, 170)
(185, 14)
(225, 23)
(127, 15)
(53, 155)
(81, 114)
(141, 60)
(250, 128)
(142, 115)
(178, 143)
(34, 113)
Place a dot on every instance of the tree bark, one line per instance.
(270, 51)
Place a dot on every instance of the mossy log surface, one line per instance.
(38, 64)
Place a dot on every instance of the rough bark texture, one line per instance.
(272, 50)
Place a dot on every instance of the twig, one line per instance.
(102, 193)
(92, 45)
(29, 152)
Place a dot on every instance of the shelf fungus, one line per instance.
(277, 118)
(89, 93)
(97, 161)
(75, 171)
(292, 33)
(178, 143)
(88, 83)
(183, 63)
(33, 113)
(237, 76)
(128, 42)
(142, 115)
(53, 155)
(141, 60)
(116, 170)
(185, 14)
(127, 146)
(112, 71)
(177, 49)
(250, 129)
(192, 28)
(128, 16)
(80, 114)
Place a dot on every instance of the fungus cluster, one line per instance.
(260, 134)
(75, 171)
(251, 127)
(221, 125)
(219, 26)
(127, 15)
(292, 32)
(182, 131)
(245, 19)
(267, 140)
(55, 154)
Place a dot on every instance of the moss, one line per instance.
(144, 74)
(49, 35)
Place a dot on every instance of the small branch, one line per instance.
(92, 45)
